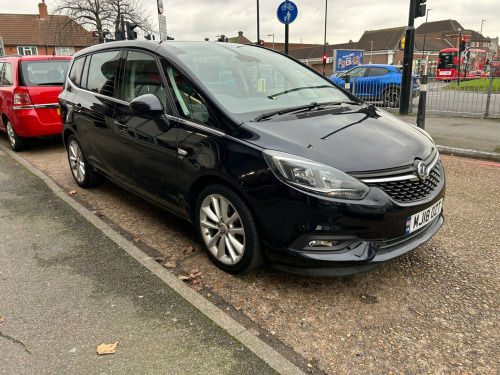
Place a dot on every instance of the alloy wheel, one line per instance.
(222, 229)
(11, 135)
(76, 161)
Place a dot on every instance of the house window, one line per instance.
(27, 50)
(67, 51)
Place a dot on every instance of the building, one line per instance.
(42, 34)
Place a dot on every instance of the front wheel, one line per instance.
(392, 97)
(17, 143)
(228, 230)
(80, 167)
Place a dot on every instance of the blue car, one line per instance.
(376, 82)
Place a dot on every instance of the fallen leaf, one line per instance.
(106, 348)
(195, 273)
(160, 259)
(169, 265)
(184, 278)
(1, 318)
(237, 307)
(71, 192)
(188, 250)
(197, 285)
(137, 239)
(209, 295)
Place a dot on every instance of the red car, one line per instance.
(476, 74)
(29, 87)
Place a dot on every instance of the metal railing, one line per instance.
(476, 97)
(469, 97)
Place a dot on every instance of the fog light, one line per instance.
(323, 243)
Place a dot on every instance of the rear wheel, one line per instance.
(80, 167)
(392, 97)
(17, 143)
(228, 230)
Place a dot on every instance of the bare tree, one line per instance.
(91, 14)
(105, 14)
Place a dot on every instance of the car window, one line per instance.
(75, 74)
(102, 72)
(85, 73)
(142, 76)
(375, 72)
(357, 72)
(189, 104)
(44, 72)
(5, 74)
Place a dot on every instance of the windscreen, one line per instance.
(44, 72)
(446, 60)
(248, 81)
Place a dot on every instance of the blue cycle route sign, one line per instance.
(287, 12)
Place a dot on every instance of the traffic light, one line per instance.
(261, 42)
(325, 57)
(420, 8)
(462, 44)
(129, 28)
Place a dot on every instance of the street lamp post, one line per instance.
(273, 38)
(481, 32)
(371, 50)
(324, 42)
(425, 34)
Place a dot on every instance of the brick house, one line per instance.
(42, 34)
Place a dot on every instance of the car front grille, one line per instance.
(406, 191)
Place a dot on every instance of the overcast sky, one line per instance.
(199, 19)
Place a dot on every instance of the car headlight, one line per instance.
(315, 177)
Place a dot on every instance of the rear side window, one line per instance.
(75, 75)
(44, 72)
(5, 74)
(102, 72)
(374, 72)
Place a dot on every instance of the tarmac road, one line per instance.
(435, 310)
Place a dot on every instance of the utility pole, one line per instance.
(324, 43)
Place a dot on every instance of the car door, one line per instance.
(201, 140)
(145, 158)
(94, 105)
(358, 81)
(378, 81)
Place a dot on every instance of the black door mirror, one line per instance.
(148, 104)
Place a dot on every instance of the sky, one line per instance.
(346, 20)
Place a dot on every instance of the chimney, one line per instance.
(240, 33)
(42, 8)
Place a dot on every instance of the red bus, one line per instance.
(447, 68)
(495, 67)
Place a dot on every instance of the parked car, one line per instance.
(266, 157)
(29, 87)
(377, 82)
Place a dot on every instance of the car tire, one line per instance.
(81, 170)
(391, 97)
(17, 143)
(228, 230)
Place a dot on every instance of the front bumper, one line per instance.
(358, 256)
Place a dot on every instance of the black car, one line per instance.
(269, 159)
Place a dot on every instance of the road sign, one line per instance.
(162, 22)
(287, 12)
(160, 6)
(467, 47)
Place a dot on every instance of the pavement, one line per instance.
(69, 282)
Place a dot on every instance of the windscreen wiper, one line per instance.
(298, 89)
(286, 110)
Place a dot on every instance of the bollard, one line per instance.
(347, 85)
(421, 102)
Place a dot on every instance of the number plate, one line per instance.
(448, 73)
(421, 219)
